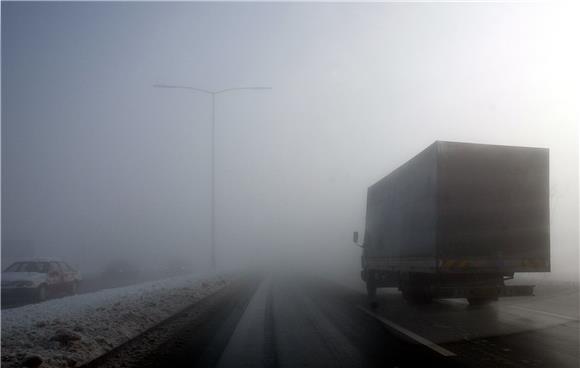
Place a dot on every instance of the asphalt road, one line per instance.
(297, 321)
(538, 331)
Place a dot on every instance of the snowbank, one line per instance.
(70, 331)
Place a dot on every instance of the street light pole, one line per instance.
(213, 94)
(212, 239)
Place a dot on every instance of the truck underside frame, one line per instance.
(423, 287)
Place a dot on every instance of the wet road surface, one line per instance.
(290, 321)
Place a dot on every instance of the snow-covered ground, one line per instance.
(71, 331)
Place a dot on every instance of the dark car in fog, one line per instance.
(38, 279)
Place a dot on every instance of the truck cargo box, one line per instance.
(462, 208)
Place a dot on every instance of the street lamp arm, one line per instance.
(171, 86)
(183, 87)
(241, 88)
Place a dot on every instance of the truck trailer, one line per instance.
(457, 221)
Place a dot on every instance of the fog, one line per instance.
(97, 165)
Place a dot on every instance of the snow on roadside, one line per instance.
(70, 331)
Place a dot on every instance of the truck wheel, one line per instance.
(371, 289)
(41, 293)
(480, 301)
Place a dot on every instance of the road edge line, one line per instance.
(421, 340)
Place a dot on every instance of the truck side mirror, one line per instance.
(355, 237)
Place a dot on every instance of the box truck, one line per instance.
(457, 221)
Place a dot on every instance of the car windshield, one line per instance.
(40, 267)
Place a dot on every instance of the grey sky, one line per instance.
(97, 161)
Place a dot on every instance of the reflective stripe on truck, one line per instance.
(462, 264)
(482, 291)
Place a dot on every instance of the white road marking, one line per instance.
(421, 340)
(545, 313)
(245, 347)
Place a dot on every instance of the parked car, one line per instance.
(39, 279)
